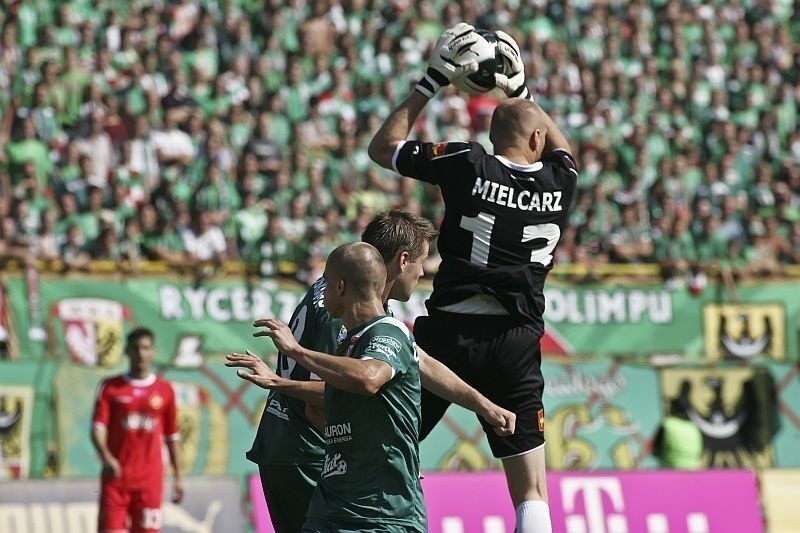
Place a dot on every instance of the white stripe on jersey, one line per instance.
(395, 154)
(434, 158)
(534, 167)
(574, 171)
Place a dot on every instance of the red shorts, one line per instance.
(141, 505)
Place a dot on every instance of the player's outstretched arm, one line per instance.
(442, 381)
(359, 376)
(444, 66)
(396, 129)
(312, 392)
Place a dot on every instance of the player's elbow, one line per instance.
(380, 152)
(370, 382)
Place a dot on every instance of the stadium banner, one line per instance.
(61, 506)
(599, 414)
(591, 502)
(85, 318)
(779, 495)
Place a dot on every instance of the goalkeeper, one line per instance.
(504, 215)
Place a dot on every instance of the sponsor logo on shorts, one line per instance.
(540, 418)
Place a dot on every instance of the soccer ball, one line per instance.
(485, 50)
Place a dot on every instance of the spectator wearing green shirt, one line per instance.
(251, 223)
(631, 243)
(160, 239)
(28, 148)
(709, 245)
(276, 253)
(90, 217)
(673, 249)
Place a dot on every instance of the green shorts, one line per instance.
(288, 490)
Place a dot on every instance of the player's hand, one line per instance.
(262, 375)
(177, 491)
(446, 64)
(503, 421)
(512, 79)
(280, 334)
(112, 468)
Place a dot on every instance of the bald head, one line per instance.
(514, 122)
(360, 266)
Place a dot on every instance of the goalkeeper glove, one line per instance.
(447, 64)
(511, 79)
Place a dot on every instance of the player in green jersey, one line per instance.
(288, 448)
(370, 478)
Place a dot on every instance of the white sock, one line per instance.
(533, 516)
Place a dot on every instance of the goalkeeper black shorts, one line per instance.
(499, 357)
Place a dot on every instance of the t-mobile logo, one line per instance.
(491, 524)
(597, 520)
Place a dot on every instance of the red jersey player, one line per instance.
(134, 414)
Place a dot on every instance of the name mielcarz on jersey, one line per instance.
(500, 194)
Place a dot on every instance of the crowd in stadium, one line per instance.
(236, 130)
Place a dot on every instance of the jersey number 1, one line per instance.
(482, 226)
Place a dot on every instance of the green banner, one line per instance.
(85, 319)
(644, 320)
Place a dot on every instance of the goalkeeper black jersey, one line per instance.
(502, 223)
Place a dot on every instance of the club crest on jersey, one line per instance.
(156, 401)
(437, 150)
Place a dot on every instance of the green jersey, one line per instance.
(285, 436)
(371, 470)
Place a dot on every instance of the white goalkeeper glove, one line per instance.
(512, 78)
(447, 63)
